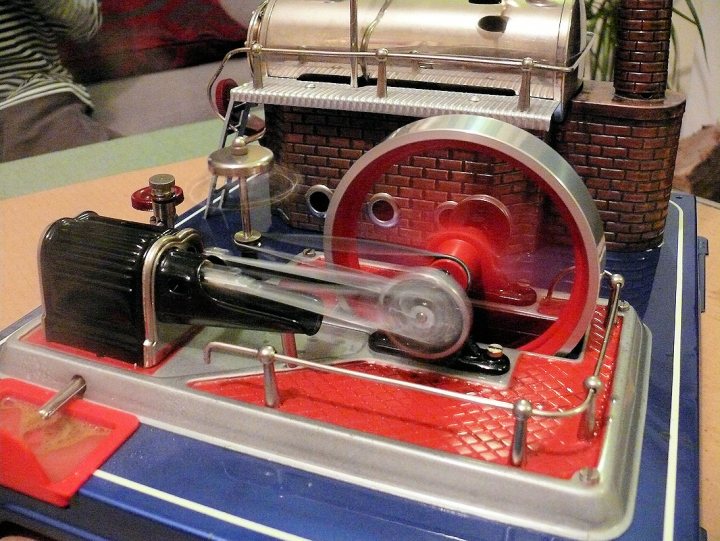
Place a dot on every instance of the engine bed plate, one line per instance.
(549, 493)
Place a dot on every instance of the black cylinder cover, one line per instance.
(91, 279)
(91, 271)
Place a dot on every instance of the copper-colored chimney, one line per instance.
(643, 47)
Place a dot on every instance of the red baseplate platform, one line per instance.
(50, 459)
(443, 424)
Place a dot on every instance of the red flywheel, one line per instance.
(493, 173)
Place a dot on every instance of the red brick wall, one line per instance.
(625, 151)
(421, 183)
(321, 145)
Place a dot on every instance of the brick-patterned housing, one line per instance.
(622, 146)
(643, 48)
(625, 152)
(321, 145)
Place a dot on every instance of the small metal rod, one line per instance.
(224, 192)
(242, 121)
(289, 344)
(617, 282)
(422, 57)
(266, 355)
(525, 83)
(353, 43)
(153, 349)
(258, 65)
(245, 206)
(563, 414)
(382, 58)
(76, 388)
(211, 190)
(557, 279)
(522, 410)
(369, 29)
(218, 71)
(593, 384)
(227, 128)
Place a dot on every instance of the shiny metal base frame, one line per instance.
(597, 506)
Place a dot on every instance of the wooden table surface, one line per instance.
(23, 219)
(709, 227)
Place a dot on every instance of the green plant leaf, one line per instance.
(693, 19)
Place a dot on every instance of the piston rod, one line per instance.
(424, 307)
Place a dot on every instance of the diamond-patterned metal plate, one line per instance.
(462, 428)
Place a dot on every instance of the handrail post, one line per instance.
(617, 282)
(593, 384)
(522, 411)
(382, 58)
(353, 44)
(258, 65)
(266, 355)
(524, 97)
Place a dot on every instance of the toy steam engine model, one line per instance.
(422, 316)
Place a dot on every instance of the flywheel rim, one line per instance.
(541, 165)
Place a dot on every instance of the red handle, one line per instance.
(222, 95)
(142, 198)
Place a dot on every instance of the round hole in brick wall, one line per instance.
(317, 199)
(383, 210)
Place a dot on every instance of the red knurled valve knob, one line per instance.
(222, 95)
(161, 196)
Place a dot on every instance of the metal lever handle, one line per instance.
(76, 388)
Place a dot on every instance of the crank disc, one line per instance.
(427, 304)
(479, 149)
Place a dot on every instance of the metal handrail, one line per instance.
(522, 408)
(384, 57)
(267, 356)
